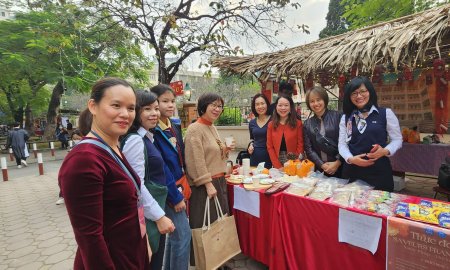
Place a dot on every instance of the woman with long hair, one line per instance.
(147, 162)
(364, 130)
(169, 141)
(284, 133)
(101, 191)
(321, 133)
(258, 132)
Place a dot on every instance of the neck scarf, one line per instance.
(360, 121)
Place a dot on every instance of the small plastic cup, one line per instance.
(229, 141)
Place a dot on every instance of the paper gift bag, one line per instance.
(214, 244)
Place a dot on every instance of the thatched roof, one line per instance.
(412, 40)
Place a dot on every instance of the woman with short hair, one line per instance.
(321, 133)
(206, 156)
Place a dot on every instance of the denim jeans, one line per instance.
(178, 247)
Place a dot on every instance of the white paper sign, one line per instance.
(359, 230)
(247, 201)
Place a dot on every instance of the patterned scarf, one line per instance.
(360, 121)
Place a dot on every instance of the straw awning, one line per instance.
(413, 40)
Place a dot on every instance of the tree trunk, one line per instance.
(18, 115)
(163, 74)
(29, 120)
(52, 112)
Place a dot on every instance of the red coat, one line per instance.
(292, 136)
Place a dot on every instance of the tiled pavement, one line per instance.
(36, 234)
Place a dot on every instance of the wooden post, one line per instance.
(40, 164)
(4, 169)
(35, 150)
(52, 148)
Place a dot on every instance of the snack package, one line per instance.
(299, 189)
(342, 197)
(417, 212)
(325, 187)
(444, 219)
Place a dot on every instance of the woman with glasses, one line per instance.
(258, 132)
(284, 133)
(321, 133)
(206, 156)
(368, 134)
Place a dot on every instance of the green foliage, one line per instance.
(58, 42)
(336, 24)
(361, 13)
(230, 117)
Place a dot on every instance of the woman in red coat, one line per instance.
(284, 133)
(101, 190)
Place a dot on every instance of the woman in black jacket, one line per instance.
(321, 133)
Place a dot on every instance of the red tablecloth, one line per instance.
(255, 234)
(299, 233)
(309, 232)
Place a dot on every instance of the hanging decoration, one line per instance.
(177, 87)
(275, 87)
(354, 71)
(441, 104)
(341, 85)
(324, 78)
(407, 73)
(377, 76)
(293, 82)
(309, 81)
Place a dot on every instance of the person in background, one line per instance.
(258, 132)
(284, 90)
(321, 133)
(61, 135)
(100, 188)
(151, 168)
(17, 138)
(364, 130)
(206, 156)
(284, 133)
(169, 141)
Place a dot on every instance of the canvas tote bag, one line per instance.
(214, 244)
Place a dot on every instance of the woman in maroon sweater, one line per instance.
(101, 199)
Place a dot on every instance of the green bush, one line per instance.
(230, 117)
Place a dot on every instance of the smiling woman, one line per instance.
(284, 133)
(100, 188)
(368, 134)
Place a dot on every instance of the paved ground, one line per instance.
(36, 234)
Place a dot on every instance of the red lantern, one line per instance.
(341, 80)
(309, 81)
(275, 87)
(438, 67)
(377, 76)
(407, 73)
(324, 78)
(353, 71)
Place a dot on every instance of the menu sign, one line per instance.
(416, 246)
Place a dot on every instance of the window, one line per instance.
(3, 14)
